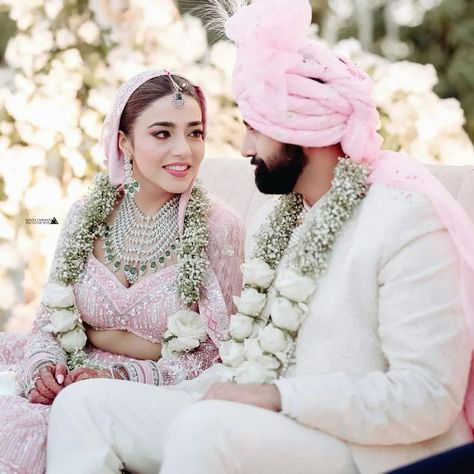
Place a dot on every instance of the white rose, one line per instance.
(265, 314)
(273, 339)
(225, 374)
(187, 323)
(232, 353)
(256, 326)
(250, 302)
(58, 296)
(257, 272)
(252, 372)
(294, 286)
(63, 320)
(240, 326)
(253, 349)
(286, 314)
(283, 357)
(255, 353)
(73, 340)
(178, 346)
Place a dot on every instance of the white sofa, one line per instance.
(232, 180)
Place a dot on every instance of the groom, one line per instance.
(350, 352)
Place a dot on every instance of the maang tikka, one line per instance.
(130, 185)
(177, 98)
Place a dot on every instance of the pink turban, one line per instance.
(297, 91)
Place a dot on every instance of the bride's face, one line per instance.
(168, 144)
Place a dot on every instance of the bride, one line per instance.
(144, 271)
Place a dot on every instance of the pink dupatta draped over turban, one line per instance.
(297, 91)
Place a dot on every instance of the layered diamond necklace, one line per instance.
(137, 243)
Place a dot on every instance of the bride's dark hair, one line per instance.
(152, 90)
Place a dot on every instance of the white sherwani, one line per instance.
(381, 370)
(383, 357)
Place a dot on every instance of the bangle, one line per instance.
(32, 373)
(156, 373)
(119, 370)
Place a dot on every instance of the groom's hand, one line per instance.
(263, 396)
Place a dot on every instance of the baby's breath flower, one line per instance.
(276, 232)
(79, 241)
(89, 225)
(306, 250)
(311, 244)
(192, 262)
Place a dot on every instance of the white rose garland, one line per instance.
(262, 352)
(250, 302)
(286, 314)
(241, 326)
(257, 273)
(58, 295)
(65, 322)
(232, 353)
(185, 332)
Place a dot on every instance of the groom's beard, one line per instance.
(282, 172)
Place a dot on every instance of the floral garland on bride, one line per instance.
(65, 321)
(264, 331)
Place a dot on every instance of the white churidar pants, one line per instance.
(103, 426)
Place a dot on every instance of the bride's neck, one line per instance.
(150, 199)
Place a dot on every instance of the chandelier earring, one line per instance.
(130, 185)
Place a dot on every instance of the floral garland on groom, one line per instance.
(288, 261)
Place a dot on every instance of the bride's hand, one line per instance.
(84, 373)
(48, 383)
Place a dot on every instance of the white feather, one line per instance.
(215, 13)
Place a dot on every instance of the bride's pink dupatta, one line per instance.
(116, 168)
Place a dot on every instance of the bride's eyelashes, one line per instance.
(164, 134)
(161, 134)
(197, 133)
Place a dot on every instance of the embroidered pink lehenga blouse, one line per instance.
(142, 309)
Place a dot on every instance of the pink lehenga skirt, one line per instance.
(23, 425)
